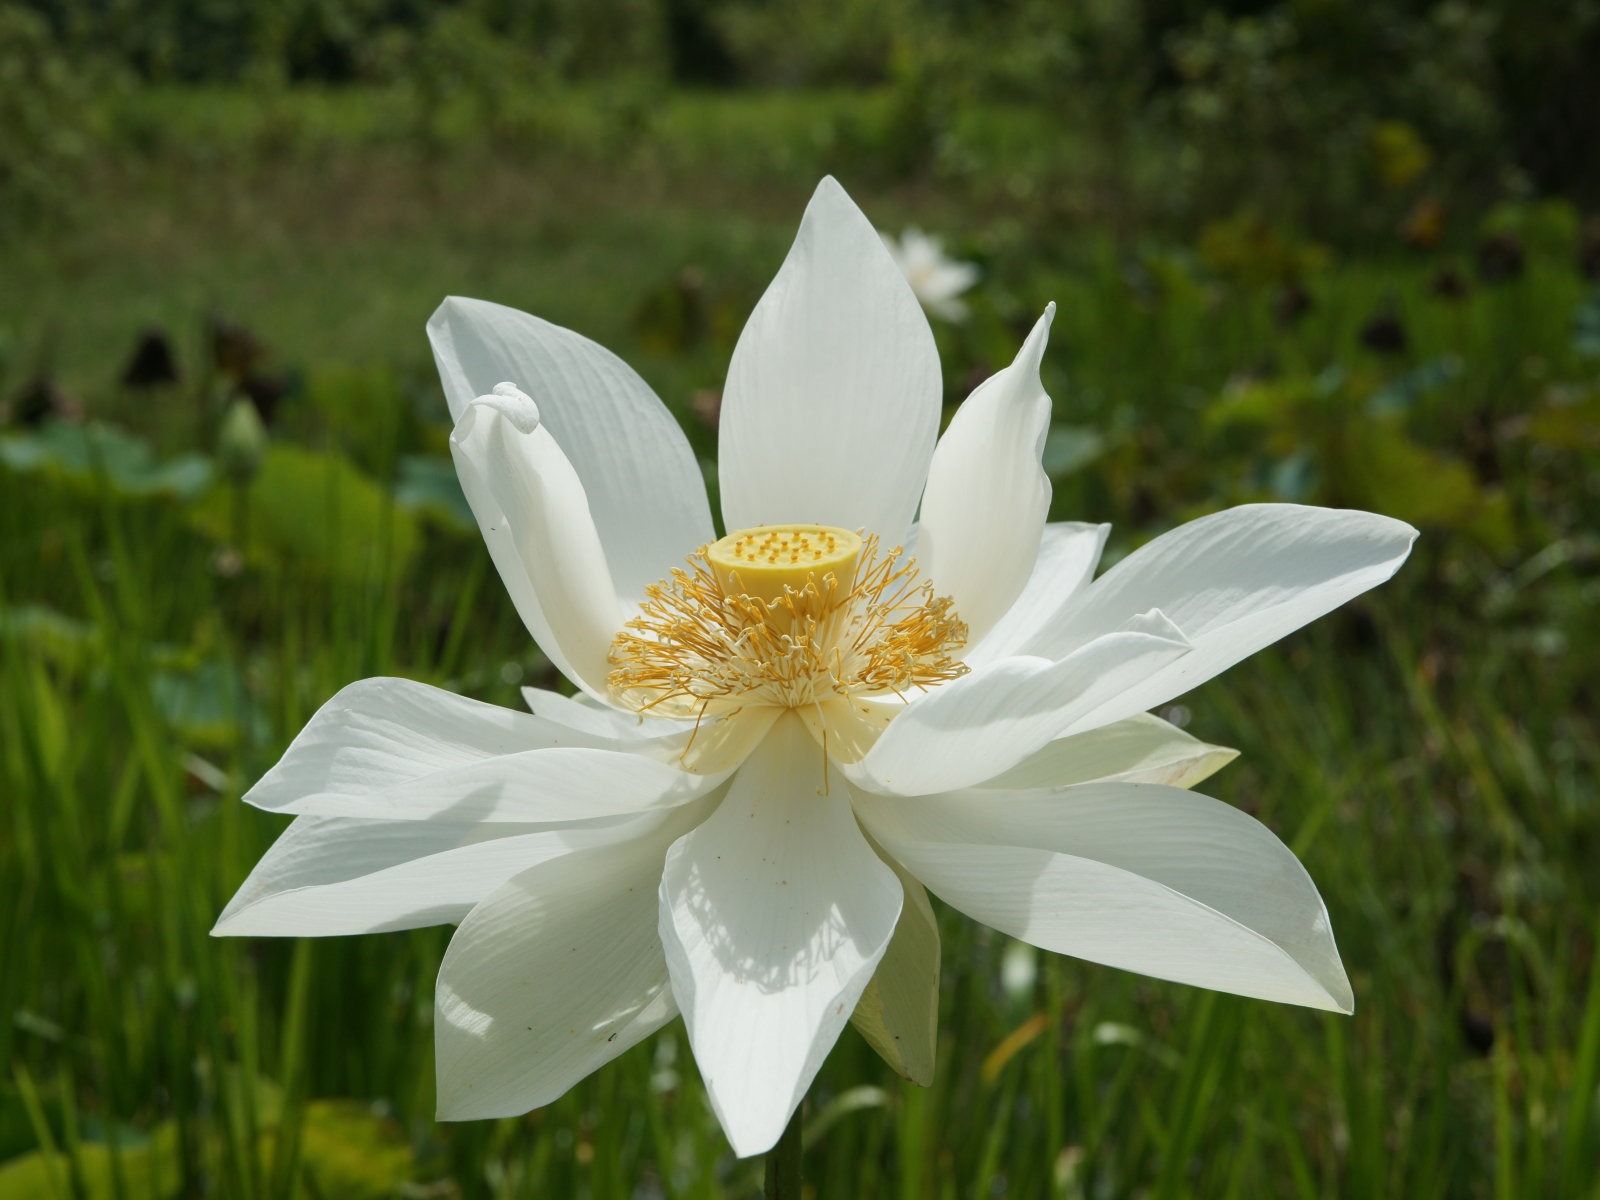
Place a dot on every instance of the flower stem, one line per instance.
(783, 1163)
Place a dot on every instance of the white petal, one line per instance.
(1234, 582)
(898, 1014)
(378, 733)
(832, 401)
(986, 722)
(644, 487)
(392, 749)
(1151, 879)
(1142, 749)
(984, 506)
(338, 875)
(555, 974)
(1068, 555)
(601, 720)
(774, 914)
(706, 747)
(535, 519)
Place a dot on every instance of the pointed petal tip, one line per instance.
(1033, 347)
(1334, 1000)
(749, 1138)
(1342, 996)
(831, 197)
(468, 1106)
(448, 308)
(454, 1111)
(1329, 990)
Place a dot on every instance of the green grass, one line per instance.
(1430, 752)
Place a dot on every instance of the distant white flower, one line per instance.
(937, 279)
(776, 745)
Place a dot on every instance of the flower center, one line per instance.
(771, 560)
(784, 616)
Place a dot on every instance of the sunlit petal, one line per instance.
(1151, 879)
(774, 914)
(391, 749)
(1141, 749)
(973, 729)
(1233, 582)
(832, 401)
(342, 875)
(554, 974)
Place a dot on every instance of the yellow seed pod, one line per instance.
(763, 561)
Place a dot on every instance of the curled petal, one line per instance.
(644, 489)
(534, 515)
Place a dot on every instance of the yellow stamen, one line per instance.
(741, 629)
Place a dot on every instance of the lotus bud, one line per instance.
(242, 442)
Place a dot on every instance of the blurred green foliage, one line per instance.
(1297, 104)
(50, 117)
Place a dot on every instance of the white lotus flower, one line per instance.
(776, 746)
(937, 279)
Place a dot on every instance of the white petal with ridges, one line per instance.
(832, 401)
(1141, 749)
(552, 785)
(598, 720)
(1151, 879)
(553, 975)
(377, 733)
(392, 749)
(1234, 582)
(336, 875)
(984, 506)
(645, 492)
(984, 723)
(534, 516)
(774, 914)
(1068, 554)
